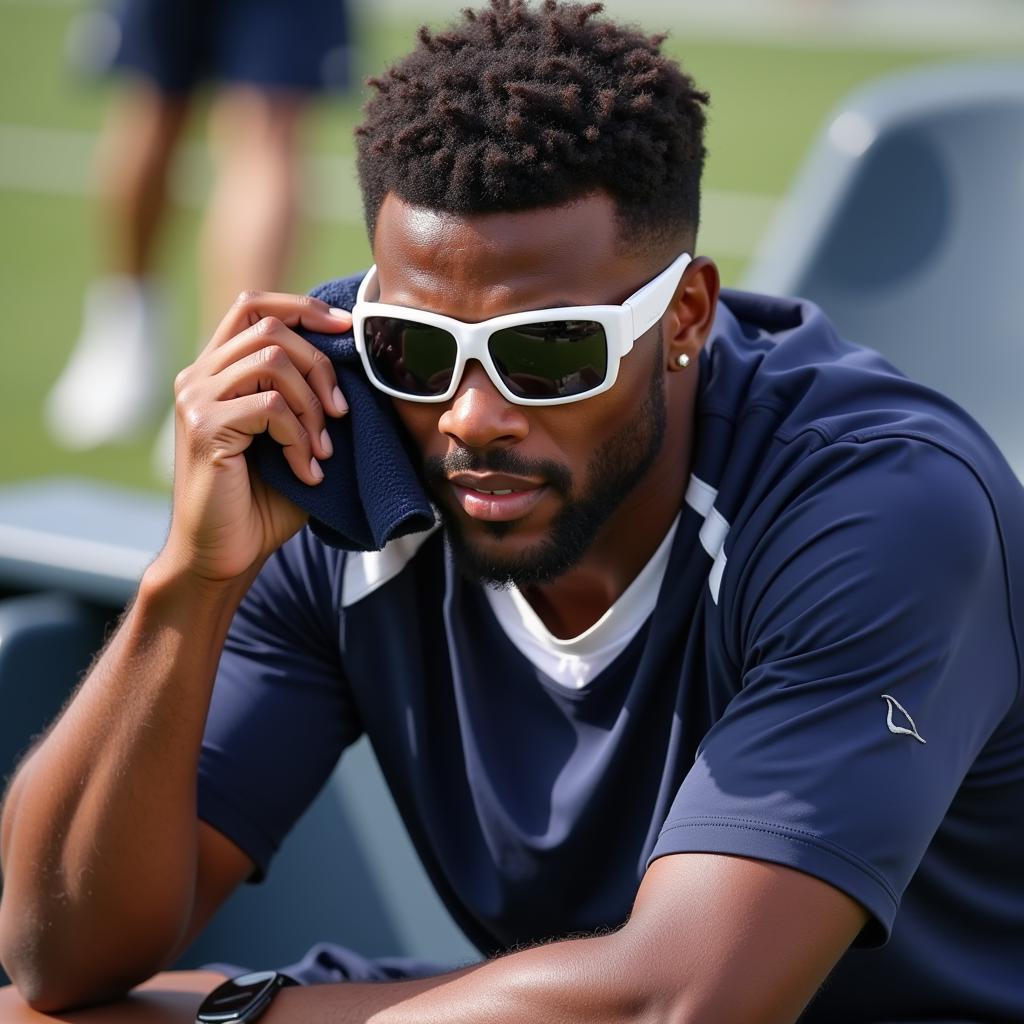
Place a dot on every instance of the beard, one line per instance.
(614, 470)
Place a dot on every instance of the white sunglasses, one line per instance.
(537, 357)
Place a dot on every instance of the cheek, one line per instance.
(574, 438)
(420, 422)
(584, 426)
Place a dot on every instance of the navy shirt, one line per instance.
(831, 680)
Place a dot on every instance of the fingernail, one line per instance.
(314, 468)
(325, 441)
(339, 401)
(341, 314)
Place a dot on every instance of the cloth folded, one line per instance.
(327, 963)
(371, 492)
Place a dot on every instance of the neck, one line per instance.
(574, 601)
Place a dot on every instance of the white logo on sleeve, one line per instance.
(901, 729)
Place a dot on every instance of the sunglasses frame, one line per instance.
(622, 326)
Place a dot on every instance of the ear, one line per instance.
(688, 319)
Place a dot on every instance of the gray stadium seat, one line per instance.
(71, 552)
(906, 224)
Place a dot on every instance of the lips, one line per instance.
(496, 497)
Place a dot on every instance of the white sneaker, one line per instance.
(114, 385)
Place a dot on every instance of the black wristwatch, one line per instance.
(242, 999)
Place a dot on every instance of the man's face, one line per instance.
(573, 470)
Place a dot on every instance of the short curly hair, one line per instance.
(514, 108)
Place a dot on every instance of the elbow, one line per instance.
(34, 991)
(39, 980)
(35, 981)
(52, 999)
(50, 989)
(50, 977)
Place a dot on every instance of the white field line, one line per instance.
(55, 162)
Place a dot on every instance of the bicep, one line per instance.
(733, 938)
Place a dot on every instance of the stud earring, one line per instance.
(682, 360)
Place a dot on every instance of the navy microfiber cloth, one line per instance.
(371, 492)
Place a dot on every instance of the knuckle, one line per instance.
(181, 381)
(196, 419)
(313, 404)
(273, 402)
(248, 297)
(273, 356)
(267, 325)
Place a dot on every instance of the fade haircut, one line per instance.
(514, 108)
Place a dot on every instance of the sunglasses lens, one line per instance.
(413, 358)
(556, 359)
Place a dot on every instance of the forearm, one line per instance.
(598, 980)
(100, 823)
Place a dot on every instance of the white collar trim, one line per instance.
(573, 662)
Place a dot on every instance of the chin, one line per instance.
(497, 556)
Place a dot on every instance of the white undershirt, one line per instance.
(574, 662)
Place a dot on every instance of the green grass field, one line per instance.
(767, 104)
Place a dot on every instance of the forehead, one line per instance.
(474, 267)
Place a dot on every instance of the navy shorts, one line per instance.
(276, 44)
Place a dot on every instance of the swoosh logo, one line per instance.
(900, 730)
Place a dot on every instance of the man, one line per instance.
(713, 661)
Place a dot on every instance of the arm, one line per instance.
(711, 938)
(99, 827)
(103, 811)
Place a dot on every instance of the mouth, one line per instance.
(496, 497)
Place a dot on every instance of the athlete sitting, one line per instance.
(712, 661)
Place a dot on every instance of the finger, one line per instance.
(293, 310)
(241, 419)
(307, 358)
(271, 369)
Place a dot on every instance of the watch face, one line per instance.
(240, 999)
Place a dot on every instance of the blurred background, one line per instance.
(774, 68)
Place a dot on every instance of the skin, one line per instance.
(169, 998)
(249, 222)
(710, 937)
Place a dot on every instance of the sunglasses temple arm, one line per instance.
(368, 286)
(648, 305)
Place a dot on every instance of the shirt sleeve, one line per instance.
(870, 623)
(281, 713)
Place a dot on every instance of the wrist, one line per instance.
(243, 1000)
(170, 581)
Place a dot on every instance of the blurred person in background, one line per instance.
(266, 59)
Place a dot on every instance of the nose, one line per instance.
(480, 416)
